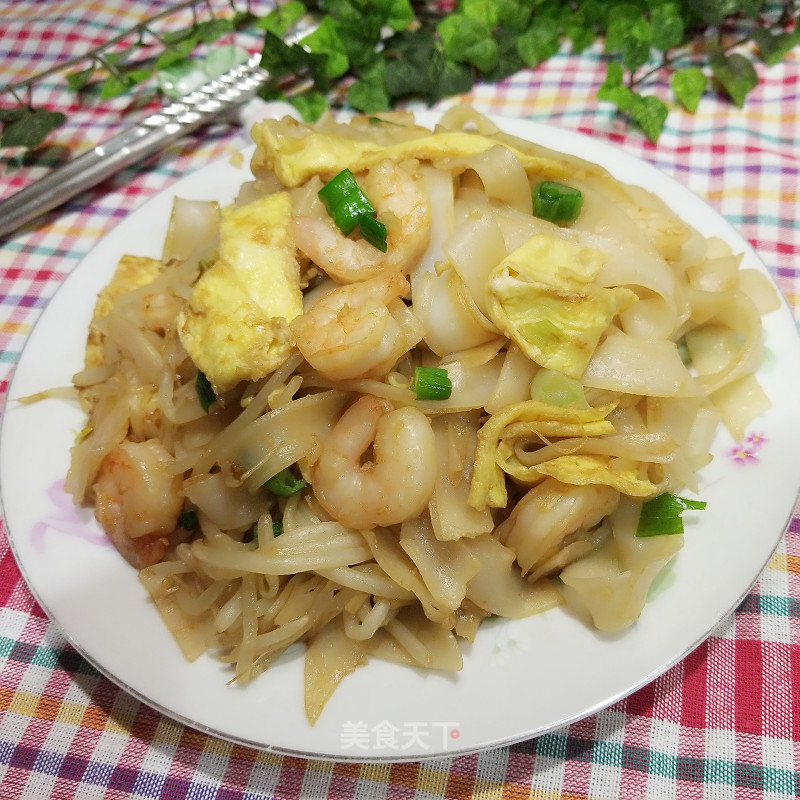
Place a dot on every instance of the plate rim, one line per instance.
(612, 151)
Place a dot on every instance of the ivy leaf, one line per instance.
(735, 73)
(467, 40)
(714, 12)
(487, 12)
(667, 26)
(508, 60)
(325, 40)
(773, 47)
(311, 105)
(621, 18)
(539, 42)
(650, 114)
(579, 32)
(688, 85)
(636, 45)
(76, 81)
(176, 52)
(115, 85)
(399, 14)
(209, 31)
(613, 90)
(369, 93)
(513, 15)
(28, 127)
(280, 20)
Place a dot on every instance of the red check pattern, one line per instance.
(723, 723)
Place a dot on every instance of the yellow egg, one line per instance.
(544, 297)
(237, 325)
(295, 151)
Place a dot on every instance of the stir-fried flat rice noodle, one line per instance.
(256, 447)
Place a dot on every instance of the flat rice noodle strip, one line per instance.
(284, 436)
(450, 514)
(110, 419)
(367, 578)
(443, 309)
(445, 567)
(633, 365)
(396, 563)
(502, 175)
(499, 588)
(438, 185)
(193, 225)
(232, 432)
(760, 289)
(740, 315)
(474, 249)
(715, 274)
(427, 643)
(514, 382)
(344, 548)
(612, 582)
(193, 635)
(228, 507)
(473, 385)
(739, 403)
(330, 657)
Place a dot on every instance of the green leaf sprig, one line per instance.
(370, 55)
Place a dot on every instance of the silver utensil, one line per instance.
(133, 144)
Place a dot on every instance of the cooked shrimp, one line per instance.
(550, 516)
(359, 330)
(400, 205)
(396, 485)
(138, 500)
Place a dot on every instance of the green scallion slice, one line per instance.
(662, 515)
(431, 383)
(350, 208)
(557, 203)
(284, 483)
(205, 391)
(373, 231)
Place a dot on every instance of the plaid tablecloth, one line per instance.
(725, 722)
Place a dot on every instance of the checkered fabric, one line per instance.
(723, 723)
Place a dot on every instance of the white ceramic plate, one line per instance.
(519, 679)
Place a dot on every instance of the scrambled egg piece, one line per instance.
(543, 296)
(582, 470)
(237, 324)
(494, 453)
(131, 273)
(295, 151)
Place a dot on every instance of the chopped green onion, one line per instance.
(556, 389)
(284, 483)
(557, 203)
(431, 383)
(373, 231)
(662, 515)
(188, 519)
(205, 391)
(350, 208)
(277, 527)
